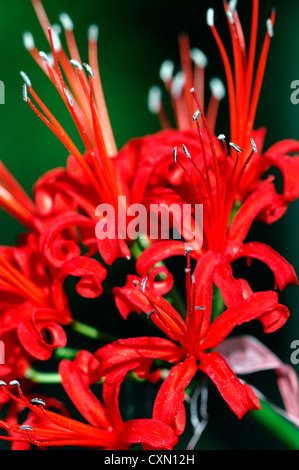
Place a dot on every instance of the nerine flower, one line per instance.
(34, 305)
(228, 179)
(193, 340)
(104, 429)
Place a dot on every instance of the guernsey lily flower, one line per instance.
(186, 165)
(104, 429)
(33, 303)
(194, 340)
(226, 178)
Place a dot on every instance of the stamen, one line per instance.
(93, 33)
(175, 154)
(196, 115)
(186, 151)
(2, 383)
(66, 22)
(198, 57)
(232, 5)
(26, 79)
(178, 84)
(28, 41)
(76, 64)
(26, 427)
(188, 251)
(166, 71)
(25, 93)
(221, 137)
(218, 93)
(200, 60)
(154, 99)
(37, 401)
(69, 98)
(14, 383)
(217, 88)
(210, 17)
(200, 308)
(143, 284)
(236, 147)
(56, 41)
(230, 16)
(89, 70)
(270, 27)
(44, 56)
(57, 28)
(253, 145)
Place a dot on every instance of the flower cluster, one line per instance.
(183, 164)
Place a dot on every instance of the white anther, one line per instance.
(28, 41)
(210, 17)
(175, 154)
(199, 57)
(25, 427)
(76, 64)
(154, 99)
(93, 32)
(68, 96)
(217, 88)
(186, 151)
(57, 28)
(89, 70)
(14, 383)
(66, 22)
(2, 383)
(196, 115)
(143, 283)
(270, 27)
(253, 145)
(177, 85)
(230, 16)
(44, 56)
(232, 5)
(26, 79)
(37, 401)
(56, 40)
(188, 251)
(166, 70)
(25, 93)
(221, 137)
(236, 147)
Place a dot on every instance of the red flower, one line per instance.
(193, 341)
(105, 428)
(33, 302)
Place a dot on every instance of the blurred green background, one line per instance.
(135, 37)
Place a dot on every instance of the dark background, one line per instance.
(135, 37)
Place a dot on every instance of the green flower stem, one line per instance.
(279, 426)
(91, 332)
(43, 377)
(65, 353)
(55, 378)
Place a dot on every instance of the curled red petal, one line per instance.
(90, 272)
(160, 251)
(260, 305)
(239, 397)
(41, 338)
(119, 357)
(284, 273)
(76, 382)
(168, 403)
